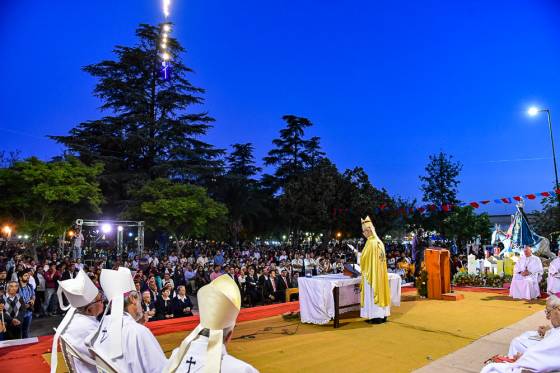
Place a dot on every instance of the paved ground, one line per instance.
(471, 358)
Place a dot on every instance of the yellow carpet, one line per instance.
(418, 332)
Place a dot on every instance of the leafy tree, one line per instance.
(308, 200)
(361, 199)
(440, 188)
(547, 221)
(241, 192)
(45, 197)
(293, 154)
(150, 130)
(241, 162)
(464, 224)
(184, 210)
(441, 180)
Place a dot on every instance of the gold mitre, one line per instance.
(366, 223)
(219, 303)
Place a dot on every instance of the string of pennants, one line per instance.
(449, 207)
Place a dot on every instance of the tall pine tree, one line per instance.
(150, 130)
(293, 153)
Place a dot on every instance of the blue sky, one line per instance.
(386, 82)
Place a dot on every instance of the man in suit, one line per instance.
(181, 304)
(271, 288)
(251, 287)
(282, 283)
(148, 307)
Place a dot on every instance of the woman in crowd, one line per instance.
(164, 308)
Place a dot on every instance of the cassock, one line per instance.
(553, 281)
(196, 356)
(540, 357)
(141, 350)
(76, 333)
(375, 299)
(526, 287)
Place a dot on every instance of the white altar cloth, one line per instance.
(316, 301)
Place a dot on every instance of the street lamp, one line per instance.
(7, 231)
(533, 111)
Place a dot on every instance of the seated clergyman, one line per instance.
(204, 348)
(526, 276)
(121, 338)
(541, 356)
(86, 303)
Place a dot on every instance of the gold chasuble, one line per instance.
(373, 265)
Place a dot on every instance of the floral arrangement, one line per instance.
(421, 283)
(489, 280)
(543, 284)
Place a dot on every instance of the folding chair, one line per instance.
(102, 363)
(70, 355)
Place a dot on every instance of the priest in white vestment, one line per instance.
(85, 304)
(526, 276)
(121, 339)
(204, 348)
(543, 356)
(375, 297)
(553, 280)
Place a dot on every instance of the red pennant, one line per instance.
(557, 191)
(531, 196)
(445, 208)
(505, 200)
(421, 209)
(474, 204)
(485, 202)
(517, 198)
(545, 194)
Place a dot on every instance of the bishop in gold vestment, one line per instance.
(375, 297)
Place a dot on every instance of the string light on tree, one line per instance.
(166, 29)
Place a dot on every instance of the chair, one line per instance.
(70, 354)
(103, 364)
(289, 292)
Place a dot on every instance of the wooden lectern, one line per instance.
(437, 265)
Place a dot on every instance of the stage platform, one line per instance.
(418, 332)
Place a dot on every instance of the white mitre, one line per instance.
(115, 285)
(219, 303)
(80, 291)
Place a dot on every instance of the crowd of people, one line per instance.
(168, 280)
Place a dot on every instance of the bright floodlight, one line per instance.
(166, 28)
(533, 111)
(120, 228)
(106, 228)
(130, 234)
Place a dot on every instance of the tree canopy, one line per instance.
(150, 130)
(45, 197)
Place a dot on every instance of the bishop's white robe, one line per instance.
(195, 358)
(141, 350)
(526, 287)
(521, 343)
(543, 356)
(553, 280)
(370, 310)
(76, 333)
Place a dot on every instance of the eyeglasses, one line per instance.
(548, 312)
